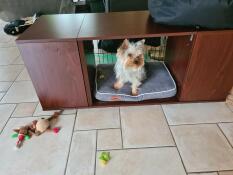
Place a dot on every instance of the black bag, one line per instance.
(202, 13)
(112, 45)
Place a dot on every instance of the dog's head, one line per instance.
(131, 54)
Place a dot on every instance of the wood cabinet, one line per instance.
(53, 50)
(50, 52)
(56, 73)
(210, 72)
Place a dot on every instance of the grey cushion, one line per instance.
(159, 84)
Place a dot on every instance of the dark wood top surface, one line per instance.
(125, 25)
(97, 26)
(53, 27)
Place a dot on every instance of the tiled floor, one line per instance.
(178, 139)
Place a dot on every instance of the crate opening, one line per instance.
(158, 84)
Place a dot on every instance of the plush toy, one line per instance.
(36, 127)
(24, 133)
(104, 158)
(46, 124)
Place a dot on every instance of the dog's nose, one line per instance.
(136, 62)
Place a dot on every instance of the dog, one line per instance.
(129, 66)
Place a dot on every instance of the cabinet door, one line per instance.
(210, 72)
(56, 73)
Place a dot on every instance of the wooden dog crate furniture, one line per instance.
(53, 49)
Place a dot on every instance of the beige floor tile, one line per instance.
(8, 55)
(97, 118)
(10, 73)
(4, 38)
(8, 44)
(192, 113)
(82, 154)
(5, 113)
(109, 139)
(1, 95)
(18, 60)
(43, 155)
(227, 128)
(4, 86)
(24, 110)
(23, 76)
(39, 111)
(230, 107)
(20, 92)
(203, 147)
(226, 173)
(203, 174)
(151, 161)
(145, 126)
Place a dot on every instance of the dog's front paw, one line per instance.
(117, 85)
(135, 92)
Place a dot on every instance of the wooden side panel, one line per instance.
(56, 73)
(210, 73)
(178, 53)
(85, 72)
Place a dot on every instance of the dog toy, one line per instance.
(45, 124)
(36, 127)
(104, 158)
(23, 133)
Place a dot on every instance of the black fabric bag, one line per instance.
(112, 45)
(202, 13)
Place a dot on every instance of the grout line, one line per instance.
(19, 102)
(71, 139)
(202, 172)
(35, 109)
(42, 116)
(77, 130)
(7, 81)
(224, 135)
(122, 144)
(22, 80)
(10, 87)
(231, 109)
(221, 171)
(174, 140)
(136, 148)
(11, 103)
(200, 123)
(7, 120)
(22, 116)
(95, 152)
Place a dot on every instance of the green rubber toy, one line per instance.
(15, 135)
(104, 158)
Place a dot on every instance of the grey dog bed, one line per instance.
(158, 84)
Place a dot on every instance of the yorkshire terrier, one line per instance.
(129, 66)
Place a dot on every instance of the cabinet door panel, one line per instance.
(56, 73)
(210, 72)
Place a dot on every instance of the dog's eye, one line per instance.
(139, 56)
(130, 55)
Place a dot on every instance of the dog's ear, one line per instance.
(141, 42)
(16, 130)
(125, 44)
